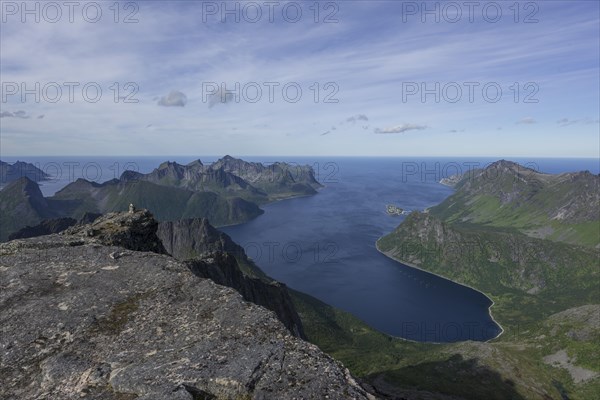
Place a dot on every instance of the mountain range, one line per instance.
(226, 192)
(524, 238)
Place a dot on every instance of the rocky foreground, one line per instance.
(84, 315)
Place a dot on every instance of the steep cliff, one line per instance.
(82, 317)
(212, 254)
(21, 204)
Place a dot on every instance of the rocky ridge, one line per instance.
(84, 315)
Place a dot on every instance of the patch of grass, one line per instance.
(119, 315)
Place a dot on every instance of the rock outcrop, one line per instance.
(81, 317)
(223, 268)
(214, 255)
(191, 238)
(133, 231)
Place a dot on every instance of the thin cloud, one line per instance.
(17, 114)
(526, 121)
(401, 128)
(567, 121)
(173, 99)
(360, 117)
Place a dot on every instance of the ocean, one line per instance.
(324, 245)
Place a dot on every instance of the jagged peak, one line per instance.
(510, 165)
(167, 164)
(195, 163)
(130, 175)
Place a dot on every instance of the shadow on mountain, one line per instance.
(455, 377)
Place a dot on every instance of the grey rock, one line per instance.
(190, 238)
(75, 323)
(132, 230)
(219, 258)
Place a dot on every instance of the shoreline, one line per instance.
(410, 265)
(269, 203)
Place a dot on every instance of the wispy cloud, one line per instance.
(173, 99)
(401, 128)
(360, 117)
(526, 121)
(17, 114)
(567, 121)
(170, 49)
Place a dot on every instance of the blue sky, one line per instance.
(367, 55)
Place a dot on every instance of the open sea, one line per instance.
(324, 245)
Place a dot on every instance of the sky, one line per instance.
(345, 78)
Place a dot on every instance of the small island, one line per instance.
(395, 210)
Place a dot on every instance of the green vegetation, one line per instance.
(118, 317)
(166, 203)
(560, 207)
(226, 192)
(529, 241)
(398, 367)
(544, 286)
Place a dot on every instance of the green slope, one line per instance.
(21, 204)
(530, 242)
(564, 207)
(166, 203)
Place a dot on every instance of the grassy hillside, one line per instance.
(529, 241)
(564, 207)
(167, 203)
(403, 369)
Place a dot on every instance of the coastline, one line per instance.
(410, 265)
(269, 203)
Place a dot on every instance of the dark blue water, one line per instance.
(324, 245)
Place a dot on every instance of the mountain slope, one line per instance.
(21, 204)
(212, 254)
(109, 322)
(530, 242)
(169, 203)
(20, 169)
(564, 207)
